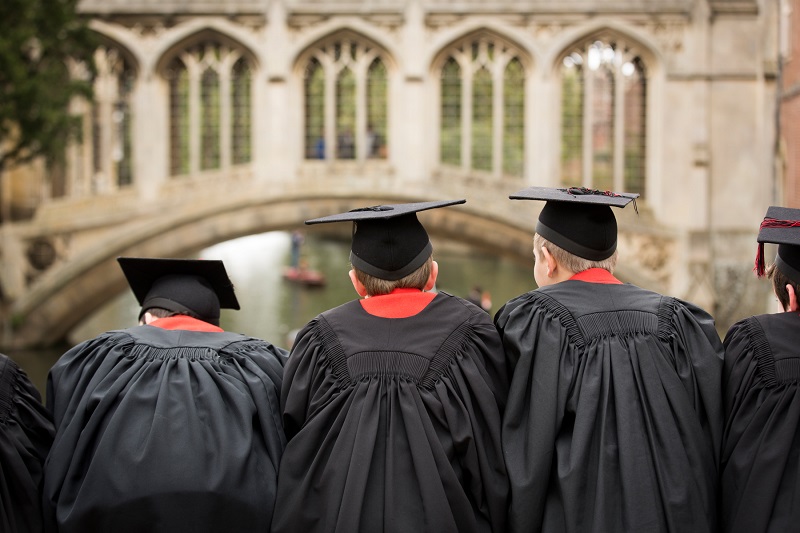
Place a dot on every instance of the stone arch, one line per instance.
(113, 35)
(357, 28)
(127, 53)
(638, 44)
(441, 52)
(496, 147)
(603, 29)
(175, 47)
(82, 285)
(326, 52)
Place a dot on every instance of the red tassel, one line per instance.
(759, 267)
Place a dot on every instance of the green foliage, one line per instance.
(37, 39)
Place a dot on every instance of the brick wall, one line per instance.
(790, 108)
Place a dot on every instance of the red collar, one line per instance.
(400, 303)
(596, 275)
(184, 322)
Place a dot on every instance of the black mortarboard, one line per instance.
(389, 242)
(578, 219)
(197, 285)
(781, 226)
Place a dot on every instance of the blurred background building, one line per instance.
(217, 119)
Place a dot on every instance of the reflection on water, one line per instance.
(274, 309)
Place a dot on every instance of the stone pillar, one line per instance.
(150, 148)
(276, 109)
(411, 151)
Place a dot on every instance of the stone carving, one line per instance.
(651, 254)
(42, 253)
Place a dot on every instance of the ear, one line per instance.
(431, 283)
(357, 285)
(552, 265)
(792, 299)
(147, 318)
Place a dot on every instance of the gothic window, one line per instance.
(451, 113)
(210, 108)
(241, 100)
(482, 107)
(603, 117)
(111, 120)
(346, 101)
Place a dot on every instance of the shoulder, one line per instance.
(344, 309)
(541, 301)
(14, 383)
(456, 303)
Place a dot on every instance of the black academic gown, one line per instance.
(613, 420)
(163, 431)
(26, 433)
(760, 465)
(394, 423)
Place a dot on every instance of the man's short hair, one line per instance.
(570, 261)
(779, 283)
(160, 312)
(377, 286)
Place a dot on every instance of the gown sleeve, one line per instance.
(26, 434)
(699, 356)
(308, 383)
(470, 404)
(534, 410)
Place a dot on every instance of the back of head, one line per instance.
(570, 261)
(376, 286)
(390, 247)
(192, 287)
(578, 224)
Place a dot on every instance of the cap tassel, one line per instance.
(759, 267)
(578, 191)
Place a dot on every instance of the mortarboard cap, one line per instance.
(578, 219)
(180, 285)
(781, 226)
(389, 242)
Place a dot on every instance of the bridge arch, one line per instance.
(72, 291)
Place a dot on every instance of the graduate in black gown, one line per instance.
(392, 403)
(760, 465)
(613, 420)
(26, 433)
(173, 425)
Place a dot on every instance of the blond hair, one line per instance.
(570, 261)
(377, 286)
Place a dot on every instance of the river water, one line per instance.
(274, 309)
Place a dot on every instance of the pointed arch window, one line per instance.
(603, 117)
(210, 111)
(482, 107)
(111, 120)
(346, 101)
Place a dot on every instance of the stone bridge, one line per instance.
(60, 266)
